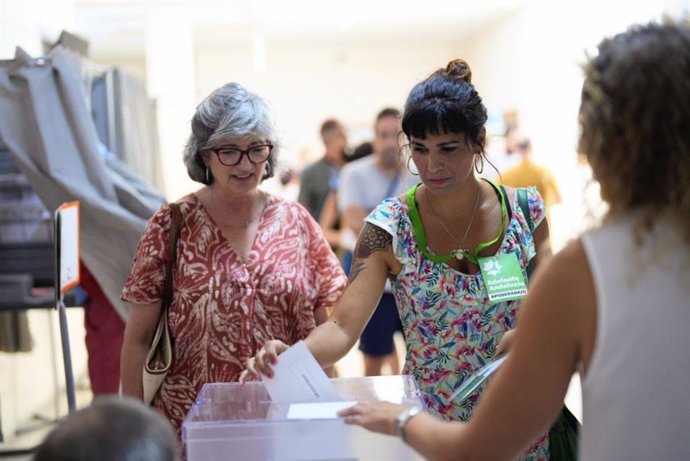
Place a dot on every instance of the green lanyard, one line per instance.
(421, 238)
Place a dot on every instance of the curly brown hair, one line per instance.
(635, 120)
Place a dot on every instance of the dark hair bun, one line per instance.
(458, 68)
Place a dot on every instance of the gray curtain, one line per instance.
(137, 131)
(51, 135)
(126, 122)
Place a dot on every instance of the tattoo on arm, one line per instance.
(357, 267)
(371, 240)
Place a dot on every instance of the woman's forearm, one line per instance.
(329, 343)
(131, 368)
(139, 331)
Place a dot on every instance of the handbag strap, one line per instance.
(524, 206)
(175, 221)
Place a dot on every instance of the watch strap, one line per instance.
(404, 417)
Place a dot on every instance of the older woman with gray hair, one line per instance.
(250, 266)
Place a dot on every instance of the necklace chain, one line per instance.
(460, 252)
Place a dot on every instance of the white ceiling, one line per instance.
(118, 27)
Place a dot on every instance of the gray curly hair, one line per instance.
(229, 112)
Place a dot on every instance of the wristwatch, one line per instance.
(404, 417)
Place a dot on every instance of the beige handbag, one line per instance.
(159, 357)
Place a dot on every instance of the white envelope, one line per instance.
(298, 378)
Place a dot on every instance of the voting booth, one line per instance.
(240, 421)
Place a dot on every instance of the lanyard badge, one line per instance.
(503, 277)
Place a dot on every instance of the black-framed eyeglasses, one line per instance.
(231, 156)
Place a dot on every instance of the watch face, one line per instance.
(404, 417)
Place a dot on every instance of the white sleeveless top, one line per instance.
(636, 395)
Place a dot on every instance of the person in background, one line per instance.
(511, 137)
(317, 179)
(111, 429)
(528, 173)
(613, 305)
(428, 242)
(330, 217)
(364, 149)
(250, 266)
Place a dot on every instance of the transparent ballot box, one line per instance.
(230, 421)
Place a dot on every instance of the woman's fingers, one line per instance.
(271, 352)
(250, 373)
(264, 359)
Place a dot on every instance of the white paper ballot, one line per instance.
(318, 410)
(298, 378)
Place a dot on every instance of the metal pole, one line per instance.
(67, 358)
(64, 330)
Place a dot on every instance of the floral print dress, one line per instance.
(451, 329)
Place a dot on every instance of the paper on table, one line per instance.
(318, 410)
(298, 378)
(474, 381)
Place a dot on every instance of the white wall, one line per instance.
(170, 82)
(27, 23)
(496, 55)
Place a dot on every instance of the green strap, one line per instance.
(421, 237)
(524, 206)
(418, 229)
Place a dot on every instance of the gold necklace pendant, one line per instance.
(459, 254)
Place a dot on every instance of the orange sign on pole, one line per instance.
(68, 234)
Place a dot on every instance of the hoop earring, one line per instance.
(479, 169)
(268, 170)
(208, 176)
(410, 169)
